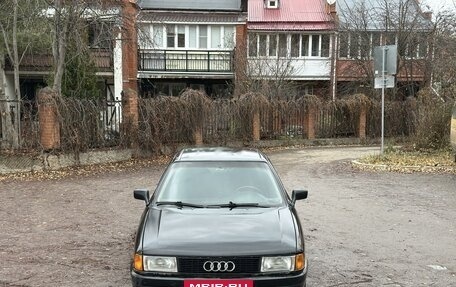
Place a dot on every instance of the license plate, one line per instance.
(217, 283)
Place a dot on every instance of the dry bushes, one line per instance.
(82, 125)
(171, 121)
(432, 122)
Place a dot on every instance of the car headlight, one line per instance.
(283, 263)
(155, 263)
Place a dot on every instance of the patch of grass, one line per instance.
(399, 160)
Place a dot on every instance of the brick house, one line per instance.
(366, 24)
(188, 44)
(293, 40)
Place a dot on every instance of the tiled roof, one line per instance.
(173, 17)
(305, 12)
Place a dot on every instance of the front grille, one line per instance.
(195, 264)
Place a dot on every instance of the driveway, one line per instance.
(362, 229)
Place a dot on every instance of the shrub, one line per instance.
(433, 117)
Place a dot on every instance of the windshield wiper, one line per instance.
(232, 205)
(179, 204)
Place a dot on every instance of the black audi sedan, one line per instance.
(219, 217)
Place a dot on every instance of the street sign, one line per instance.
(390, 60)
(388, 82)
(385, 66)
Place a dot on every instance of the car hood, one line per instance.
(219, 232)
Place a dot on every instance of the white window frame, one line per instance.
(269, 2)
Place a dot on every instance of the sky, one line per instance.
(437, 5)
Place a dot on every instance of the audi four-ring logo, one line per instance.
(219, 266)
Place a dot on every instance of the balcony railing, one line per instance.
(102, 59)
(186, 61)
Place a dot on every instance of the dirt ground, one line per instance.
(362, 229)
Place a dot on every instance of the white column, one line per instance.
(117, 58)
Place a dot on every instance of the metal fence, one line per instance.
(20, 117)
(93, 124)
(83, 123)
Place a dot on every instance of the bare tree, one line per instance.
(73, 23)
(263, 70)
(10, 43)
(383, 22)
(444, 61)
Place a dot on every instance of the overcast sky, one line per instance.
(438, 5)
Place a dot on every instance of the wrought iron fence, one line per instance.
(86, 124)
(83, 123)
(92, 124)
(20, 118)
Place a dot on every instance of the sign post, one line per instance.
(453, 131)
(385, 63)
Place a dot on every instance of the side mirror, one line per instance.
(142, 194)
(298, 195)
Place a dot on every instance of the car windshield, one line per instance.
(220, 184)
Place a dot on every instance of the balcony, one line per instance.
(201, 61)
(43, 62)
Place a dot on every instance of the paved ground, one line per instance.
(362, 229)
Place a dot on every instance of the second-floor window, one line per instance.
(191, 37)
(361, 45)
(289, 45)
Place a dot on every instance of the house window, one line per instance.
(253, 44)
(273, 3)
(203, 36)
(272, 45)
(422, 47)
(170, 36)
(99, 35)
(192, 38)
(365, 46)
(376, 41)
(390, 38)
(344, 43)
(181, 36)
(144, 40)
(216, 37)
(262, 47)
(305, 45)
(294, 45)
(325, 44)
(228, 37)
(315, 45)
(283, 45)
(157, 37)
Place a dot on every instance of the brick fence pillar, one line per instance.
(198, 136)
(362, 123)
(256, 126)
(48, 119)
(130, 117)
(310, 123)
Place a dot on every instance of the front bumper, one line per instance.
(295, 280)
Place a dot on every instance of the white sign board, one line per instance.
(390, 64)
(388, 83)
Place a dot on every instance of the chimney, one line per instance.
(331, 9)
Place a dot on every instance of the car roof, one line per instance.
(219, 154)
